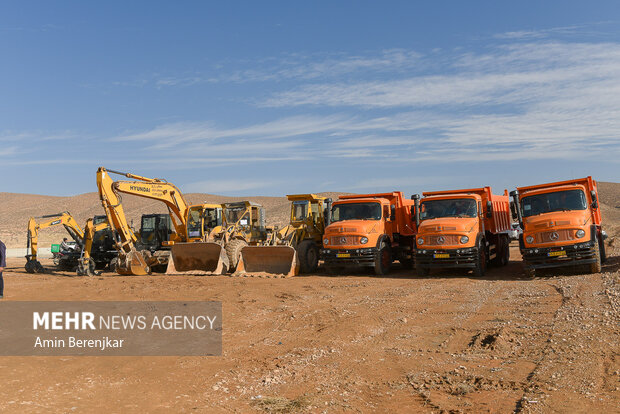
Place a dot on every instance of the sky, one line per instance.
(271, 98)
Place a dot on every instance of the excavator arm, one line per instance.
(131, 260)
(64, 218)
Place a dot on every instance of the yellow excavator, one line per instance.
(65, 218)
(241, 224)
(94, 231)
(295, 248)
(136, 257)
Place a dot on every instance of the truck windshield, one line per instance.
(557, 201)
(356, 211)
(453, 207)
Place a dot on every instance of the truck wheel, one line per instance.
(596, 266)
(233, 251)
(383, 260)
(481, 261)
(422, 271)
(308, 255)
(506, 251)
(601, 244)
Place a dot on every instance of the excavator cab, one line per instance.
(155, 229)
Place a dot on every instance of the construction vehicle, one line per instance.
(97, 249)
(295, 248)
(203, 251)
(462, 229)
(561, 225)
(133, 259)
(369, 230)
(66, 219)
(242, 224)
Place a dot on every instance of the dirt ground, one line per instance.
(355, 343)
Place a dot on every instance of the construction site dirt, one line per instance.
(445, 343)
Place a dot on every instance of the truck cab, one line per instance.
(462, 229)
(369, 230)
(561, 225)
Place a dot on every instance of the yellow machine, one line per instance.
(242, 224)
(203, 252)
(64, 218)
(295, 248)
(131, 260)
(86, 264)
(139, 258)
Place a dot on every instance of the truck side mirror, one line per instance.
(489, 209)
(513, 211)
(594, 200)
(392, 212)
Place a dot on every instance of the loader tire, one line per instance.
(596, 266)
(308, 255)
(383, 260)
(233, 251)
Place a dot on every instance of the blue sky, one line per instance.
(269, 98)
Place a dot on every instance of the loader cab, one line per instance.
(154, 230)
(245, 215)
(202, 219)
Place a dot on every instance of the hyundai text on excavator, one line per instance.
(462, 229)
(65, 218)
(295, 248)
(561, 225)
(369, 230)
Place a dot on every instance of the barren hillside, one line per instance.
(16, 209)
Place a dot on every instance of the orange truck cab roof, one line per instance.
(500, 219)
(587, 184)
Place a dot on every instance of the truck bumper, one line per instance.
(575, 254)
(341, 257)
(448, 258)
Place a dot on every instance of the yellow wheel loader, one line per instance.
(240, 224)
(201, 253)
(295, 248)
(65, 218)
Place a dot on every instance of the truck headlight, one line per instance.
(464, 239)
(529, 239)
(326, 241)
(364, 240)
(420, 240)
(580, 233)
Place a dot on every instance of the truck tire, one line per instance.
(422, 271)
(481, 260)
(530, 272)
(308, 255)
(233, 251)
(601, 244)
(383, 260)
(596, 266)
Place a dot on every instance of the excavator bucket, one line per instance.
(132, 264)
(200, 258)
(269, 260)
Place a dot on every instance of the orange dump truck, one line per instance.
(561, 225)
(462, 229)
(369, 230)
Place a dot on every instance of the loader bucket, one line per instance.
(197, 259)
(269, 260)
